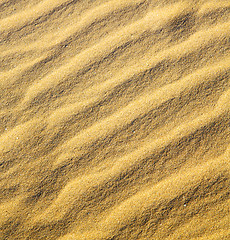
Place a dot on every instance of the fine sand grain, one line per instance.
(114, 119)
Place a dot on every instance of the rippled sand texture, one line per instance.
(114, 119)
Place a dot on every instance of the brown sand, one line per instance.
(114, 119)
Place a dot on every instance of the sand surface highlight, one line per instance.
(115, 119)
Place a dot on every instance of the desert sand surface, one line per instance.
(114, 119)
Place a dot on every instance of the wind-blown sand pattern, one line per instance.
(114, 119)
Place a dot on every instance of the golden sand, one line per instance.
(115, 119)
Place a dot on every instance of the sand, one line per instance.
(115, 119)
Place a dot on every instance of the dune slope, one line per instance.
(114, 119)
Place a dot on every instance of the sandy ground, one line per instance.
(114, 119)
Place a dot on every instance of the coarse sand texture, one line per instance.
(114, 120)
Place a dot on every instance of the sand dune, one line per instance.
(115, 119)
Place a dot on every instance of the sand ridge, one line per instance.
(114, 119)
